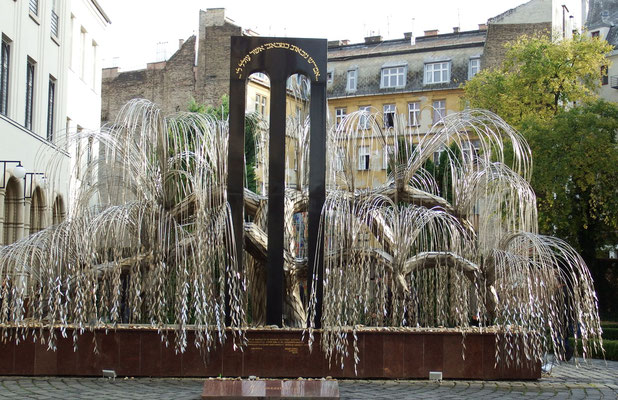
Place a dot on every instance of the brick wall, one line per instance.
(172, 84)
(213, 72)
(500, 34)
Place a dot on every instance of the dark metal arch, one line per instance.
(279, 58)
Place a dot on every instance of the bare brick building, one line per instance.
(198, 70)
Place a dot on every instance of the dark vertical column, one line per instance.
(236, 173)
(276, 202)
(317, 192)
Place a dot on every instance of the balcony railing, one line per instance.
(54, 23)
(613, 81)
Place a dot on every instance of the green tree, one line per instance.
(576, 175)
(539, 77)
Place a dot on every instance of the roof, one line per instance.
(401, 46)
(604, 14)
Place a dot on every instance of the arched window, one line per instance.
(58, 211)
(13, 211)
(37, 211)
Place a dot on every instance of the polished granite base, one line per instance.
(270, 353)
(270, 389)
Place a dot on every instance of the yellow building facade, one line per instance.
(417, 80)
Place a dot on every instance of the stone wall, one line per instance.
(173, 83)
(498, 35)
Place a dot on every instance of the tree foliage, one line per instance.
(539, 77)
(576, 175)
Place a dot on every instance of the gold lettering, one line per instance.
(278, 45)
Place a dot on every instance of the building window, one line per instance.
(54, 20)
(394, 77)
(29, 94)
(329, 77)
(260, 105)
(51, 102)
(595, 34)
(339, 159)
(4, 76)
(389, 152)
(414, 113)
(351, 80)
(604, 77)
(363, 121)
(95, 67)
(34, 7)
(363, 158)
(340, 114)
(470, 150)
(439, 72)
(439, 110)
(474, 67)
(437, 155)
(82, 53)
(389, 115)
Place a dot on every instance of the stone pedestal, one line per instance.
(270, 389)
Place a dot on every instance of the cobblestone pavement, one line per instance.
(595, 380)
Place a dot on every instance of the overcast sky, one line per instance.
(148, 30)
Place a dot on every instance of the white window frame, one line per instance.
(339, 159)
(414, 113)
(340, 114)
(51, 108)
(439, 110)
(5, 67)
(351, 80)
(329, 76)
(30, 89)
(389, 148)
(393, 77)
(389, 109)
(363, 121)
(437, 72)
(364, 158)
(470, 150)
(474, 66)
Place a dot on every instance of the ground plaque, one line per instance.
(270, 389)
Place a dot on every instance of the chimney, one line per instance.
(110, 73)
(431, 32)
(455, 29)
(214, 17)
(373, 39)
(407, 35)
(180, 43)
(482, 27)
(337, 43)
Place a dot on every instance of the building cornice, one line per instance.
(100, 10)
(34, 135)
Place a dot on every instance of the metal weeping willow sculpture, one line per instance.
(149, 239)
